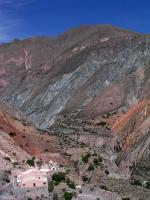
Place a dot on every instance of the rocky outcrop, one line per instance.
(93, 68)
(132, 132)
(20, 139)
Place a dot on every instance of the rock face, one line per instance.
(94, 68)
(133, 134)
(92, 71)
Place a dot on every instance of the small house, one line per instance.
(33, 178)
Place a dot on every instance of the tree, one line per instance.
(58, 177)
(68, 196)
(31, 162)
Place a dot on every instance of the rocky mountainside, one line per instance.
(94, 68)
(89, 86)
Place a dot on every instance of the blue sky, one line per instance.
(27, 18)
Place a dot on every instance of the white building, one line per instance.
(36, 177)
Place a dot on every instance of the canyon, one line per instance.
(85, 89)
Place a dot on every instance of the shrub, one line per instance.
(136, 182)
(58, 177)
(104, 187)
(147, 185)
(50, 186)
(71, 184)
(100, 159)
(96, 161)
(12, 134)
(7, 158)
(31, 162)
(126, 198)
(68, 196)
(85, 178)
(56, 183)
(6, 179)
(15, 163)
(85, 159)
(91, 168)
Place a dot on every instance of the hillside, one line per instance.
(86, 90)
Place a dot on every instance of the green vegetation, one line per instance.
(15, 163)
(71, 184)
(85, 178)
(7, 158)
(31, 162)
(6, 179)
(56, 183)
(104, 187)
(85, 158)
(125, 198)
(100, 159)
(58, 177)
(68, 196)
(50, 186)
(147, 185)
(55, 196)
(143, 168)
(91, 167)
(136, 182)
(96, 161)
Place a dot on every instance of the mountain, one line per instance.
(86, 89)
(44, 76)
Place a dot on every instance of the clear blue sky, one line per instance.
(26, 18)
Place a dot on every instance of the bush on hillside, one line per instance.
(31, 162)
(68, 196)
(58, 177)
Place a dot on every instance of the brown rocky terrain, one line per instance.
(20, 141)
(86, 91)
